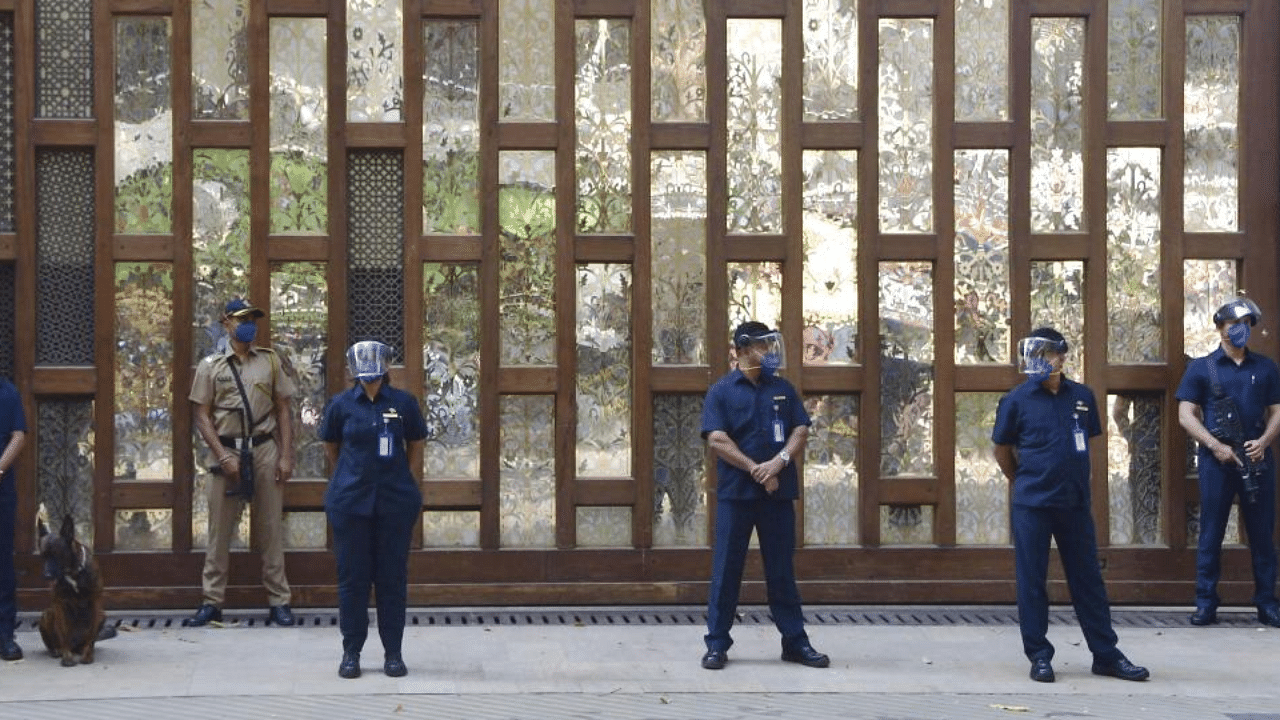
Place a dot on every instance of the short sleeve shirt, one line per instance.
(747, 413)
(1050, 433)
(12, 420)
(364, 483)
(264, 380)
(1254, 384)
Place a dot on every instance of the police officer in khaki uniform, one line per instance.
(267, 427)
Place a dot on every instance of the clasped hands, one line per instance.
(766, 473)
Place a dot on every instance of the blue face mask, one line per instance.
(1239, 333)
(770, 363)
(1039, 370)
(246, 332)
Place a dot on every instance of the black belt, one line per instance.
(236, 442)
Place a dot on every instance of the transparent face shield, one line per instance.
(766, 352)
(1037, 356)
(368, 360)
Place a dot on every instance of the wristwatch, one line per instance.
(786, 457)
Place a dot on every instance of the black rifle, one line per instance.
(1228, 430)
(245, 487)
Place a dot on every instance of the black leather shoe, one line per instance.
(714, 660)
(350, 667)
(1122, 669)
(1269, 616)
(106, 632)
(393, 666)
(806, 655)
(205, 615)
(280, 615)
(1204, 616)
(9, 649)
(1042, 671)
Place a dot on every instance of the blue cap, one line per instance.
(241, 310)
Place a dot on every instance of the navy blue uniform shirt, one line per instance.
(12, 420)
(746, 413)
(1052, 471)
(1254, 384)
(363, 483)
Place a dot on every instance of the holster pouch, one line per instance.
(245, 487)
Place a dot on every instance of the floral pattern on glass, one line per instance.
(219, 242)
(1134, 48)
(754, 163)
(526, 61)
(602, 114)
(1057, 124)
(831, 60)
(375, 73)
(1135, 324)
(220, 60)
(1133, 468)
(144, 372)
(831, 471)
(1206, 285)
(1211, 124)
(982, 491)
(526, 476)
(299, 125)
(982, 295)
(143, 126)
(678, 61)
(451, 127)
(906, 369)
(527, 243)
(905, 128)
(830, 241)
(603, 391)
(300, 334)
(451, 358)
(678, 216)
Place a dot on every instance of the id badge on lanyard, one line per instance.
(385, 438)
(779, 434)
(1078, 434)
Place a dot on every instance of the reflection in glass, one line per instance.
(602, 114)
(63, 453)
(1057, 130)
(526, 477)
(679, 472)
(830, 60)
(143, 137)
(527, 242)
(144, 371)
(143, 530)
(678, 62)
(220, 60)
(375, 76)
(1133, 468)
(678, 211)
(755, 293)
(526, 61)
(1134, 30)
(906, 125)
(299, 125)
(1057, 301)
(1206, 285)
(219, 242)
(604, 526)
(451, 360)
(982, 303)
(1231, 537)
(982, 60)
(305, 530)
(1211, 124)
(830, 257)
(604, 371)
(451, 127)
(300, 334)
(831, 471)
(1135, 326)
(982, 491)
(906, 369)
(450, 529)
(754, 163)
(906, 525)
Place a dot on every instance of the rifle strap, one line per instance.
(247, 420)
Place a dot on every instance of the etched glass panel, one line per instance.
(1134, 30)
(305, 530)
(906, 369)
(1057, 301)
(982, 491)
(1057, 128)
(604, 371)
(144, 530)
(64, 446)
(8, 119)
(678, 208)
(527, 243)
(219, 242)
(830, 243)
(982, 60)
(1211, 124)
(300, 334)
(64, 59)
(679, 472)
(526, 61)
(602, 114)
(450, 529)
(451, 127)
(375, 248)
(1135, 326)
(64, 257)
(830, 60)
(375, 73)
(1231, 537)
(526, 477)
(906, 125)
(755, 293)
(299, 126)
(831, 471)
(143, 126)
(1133, 468)
(678, 62)
(1206, 285)
(908, 525)
(754, 164)
(982, 304)
(604, 526)
(451, 361)
(220, 60)
(144, 371)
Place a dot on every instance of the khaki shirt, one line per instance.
(264, 381)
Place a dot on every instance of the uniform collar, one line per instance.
(359, 395)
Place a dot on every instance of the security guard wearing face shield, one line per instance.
(1041, 437)
(1229, 403)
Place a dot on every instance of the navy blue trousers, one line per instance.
(775, 524)
(1072, 528)
(1219, 487)
(372, 553)
(8, 576)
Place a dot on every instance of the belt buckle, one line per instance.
(241, 442)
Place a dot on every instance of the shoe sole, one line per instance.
(1136, 678)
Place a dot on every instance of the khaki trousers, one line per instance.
(266, 531)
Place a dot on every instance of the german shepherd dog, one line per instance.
(71, 624)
